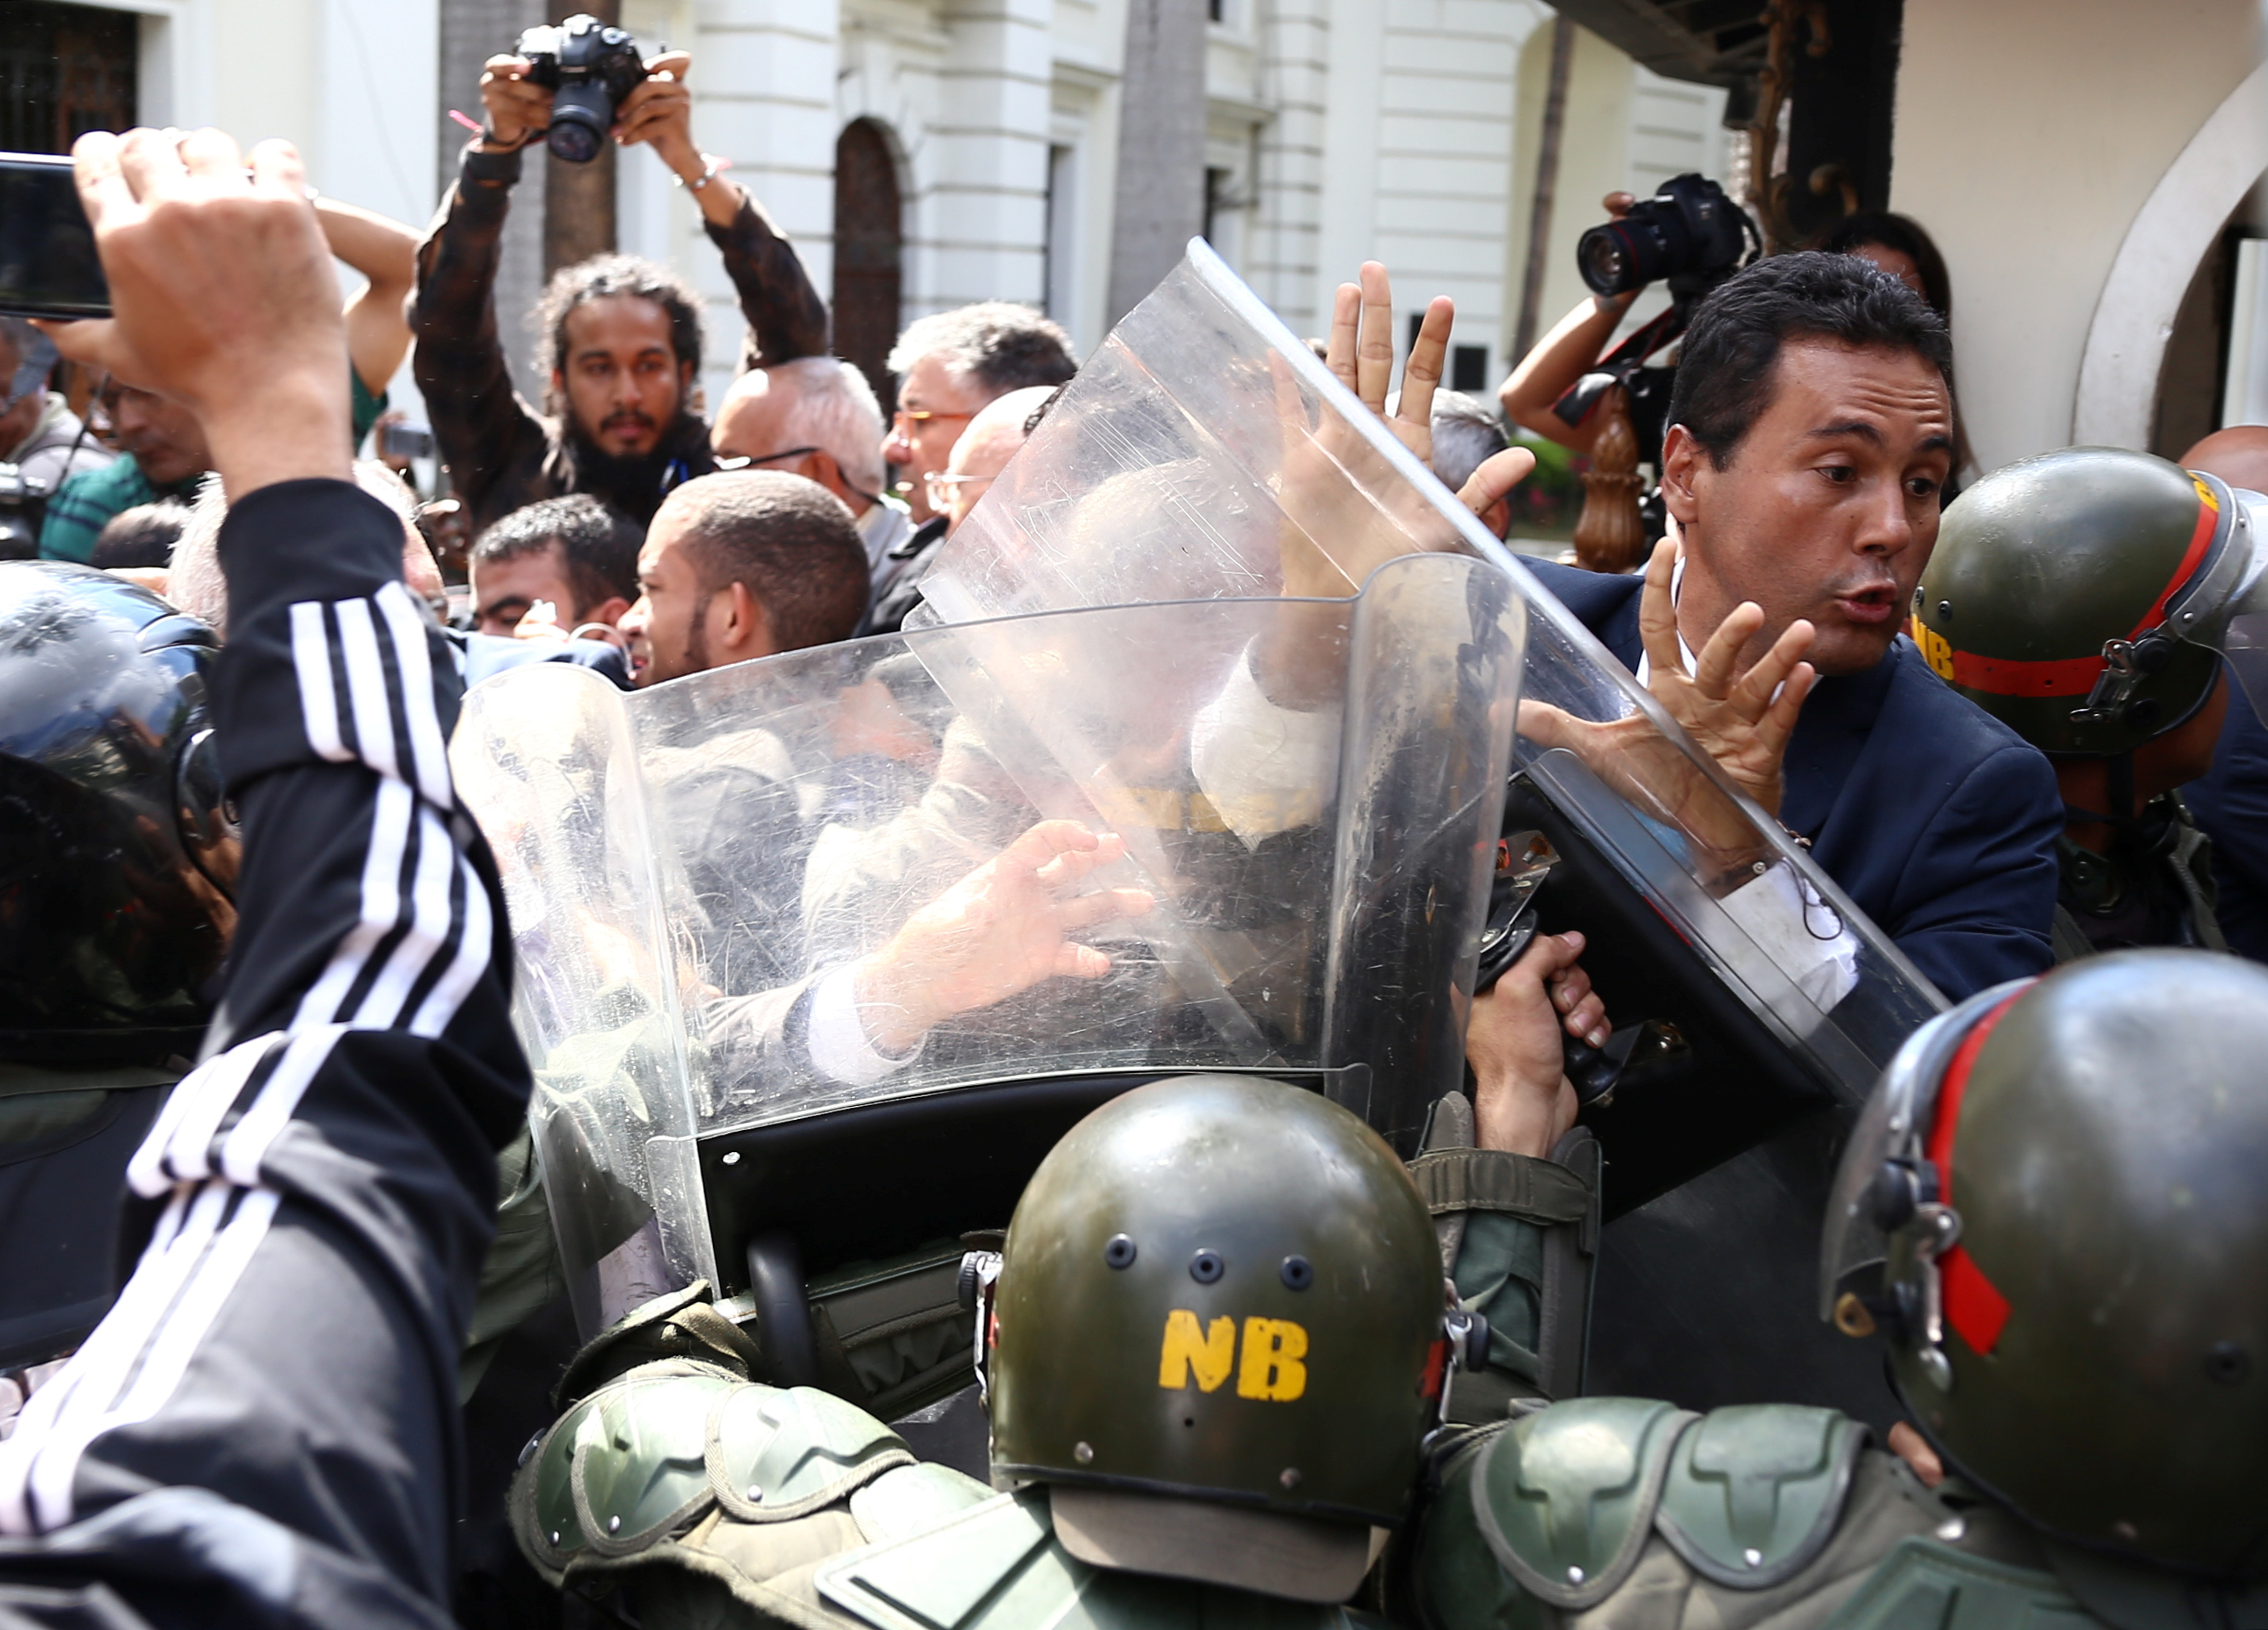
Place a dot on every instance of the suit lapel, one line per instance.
(1838, 717)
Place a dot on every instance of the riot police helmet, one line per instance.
(1218, 1333)
(118, 851)
(2061, 1179)
(2086, 598)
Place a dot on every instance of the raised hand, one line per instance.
(1743, 718)
(519, 109)
(223, 298)
(660, 111)
(999, 930)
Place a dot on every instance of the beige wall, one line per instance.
(2030, 133)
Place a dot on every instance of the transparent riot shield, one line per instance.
(1757, 1003)
(1205, 451)
(819, 954)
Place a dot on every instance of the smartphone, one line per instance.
(47, 264)
(405, 442)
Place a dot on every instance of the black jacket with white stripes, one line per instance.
(263, 1429)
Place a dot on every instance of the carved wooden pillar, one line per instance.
(1611, 535)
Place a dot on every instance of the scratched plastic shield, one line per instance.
(717, 885)
(1203, 447)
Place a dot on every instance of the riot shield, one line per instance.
(819, 954)
(1765, 1004)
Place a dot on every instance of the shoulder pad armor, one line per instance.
(1754, 1491)
(646, 1456)
(1561, 1503)
(998, 1566)
(1553, 1510)
(1921, 1582)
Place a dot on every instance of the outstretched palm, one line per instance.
(998, 932)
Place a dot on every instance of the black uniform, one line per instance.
(263, 1429)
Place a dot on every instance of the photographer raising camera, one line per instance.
(1691, 237)
(620, 346)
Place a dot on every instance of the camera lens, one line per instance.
(581, 114)
(1628, 254)
(1600, 257)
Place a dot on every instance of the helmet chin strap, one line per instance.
(2122, 818)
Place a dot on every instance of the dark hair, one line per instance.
(1001, 345)
(1724, 369)
(789, 539)
(598, 546)
(601, 278)
(143, 535)
(1903, 233)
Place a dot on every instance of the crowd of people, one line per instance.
(2013, 730)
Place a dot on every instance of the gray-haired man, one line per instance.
(949, 366)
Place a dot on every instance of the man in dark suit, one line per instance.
(1810, 430)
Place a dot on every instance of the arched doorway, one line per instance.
(868, 243)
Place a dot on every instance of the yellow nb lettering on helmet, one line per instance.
(1271, 1368)
(1209, 1352)
(1936, 649)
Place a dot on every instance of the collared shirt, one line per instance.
(77, 514)
(886, 524)
(58, 447)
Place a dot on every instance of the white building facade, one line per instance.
(1336, 130)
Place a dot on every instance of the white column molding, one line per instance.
(2118, 393)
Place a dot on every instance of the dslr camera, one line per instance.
(1690, 235)
(588, 66)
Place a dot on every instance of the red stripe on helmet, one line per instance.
(1973, 1305)
(2075, 676)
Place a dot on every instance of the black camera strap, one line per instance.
(1619, 364)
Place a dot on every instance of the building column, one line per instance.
(1287, 219)
(983, 215)
(764, 85)
(1161, 146)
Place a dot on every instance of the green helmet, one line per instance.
(2072, 596)
(1220, 1329)
(2066, 1177)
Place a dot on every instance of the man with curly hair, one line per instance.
(619, 346)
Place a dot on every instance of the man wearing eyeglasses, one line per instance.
(816, 417)
(949, 366)
(993, 437)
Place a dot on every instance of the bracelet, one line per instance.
(710, 169)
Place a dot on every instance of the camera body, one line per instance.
(405, 441)
(23, 506)
(1690, 235)
(588, 66)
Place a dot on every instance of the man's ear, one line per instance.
(609, 611)
(1684, 462)
(748, 630)
(823, 469)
